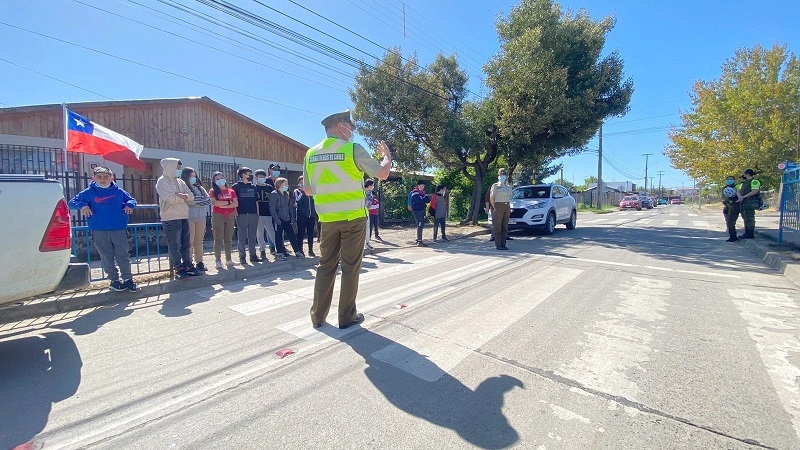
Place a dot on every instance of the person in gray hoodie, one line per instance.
(173, 201)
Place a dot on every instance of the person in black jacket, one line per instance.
(419, 203)
(306, 217)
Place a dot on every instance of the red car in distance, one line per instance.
(631, 202)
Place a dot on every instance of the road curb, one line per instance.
(775, 260)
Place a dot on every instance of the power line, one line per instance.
(158, 69)
(304, 41)
(211, 47)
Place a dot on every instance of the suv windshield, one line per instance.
(531, 192)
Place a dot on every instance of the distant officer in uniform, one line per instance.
(748, 198)
(334, 174)
(731, 207)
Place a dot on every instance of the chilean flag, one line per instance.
(85, 136)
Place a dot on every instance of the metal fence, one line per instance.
(146, 245)
(790, 202)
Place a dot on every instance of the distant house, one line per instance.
(621, 186)
(200, 132)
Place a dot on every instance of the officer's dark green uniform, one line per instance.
(749, 190)
(334, 169)
(731, 210)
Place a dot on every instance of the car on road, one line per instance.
(653, 201)
(674, 201)
(663, 201)
(646, 202)
(631, 202)
(542, 206)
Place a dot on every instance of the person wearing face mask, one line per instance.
(748, 197)
(274, 173)
(499, 197)
(246, 215)
(106, 208)
(264, 187)
(306, 217)
(198, 213)
(223, 217)
(279, 202)
(731, 207)
(333, 171)
(173, 201)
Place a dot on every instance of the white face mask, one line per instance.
(284, 188)
(178, 172)
(220, 182)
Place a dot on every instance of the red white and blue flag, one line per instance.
(85, 136)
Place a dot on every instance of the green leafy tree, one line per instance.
(423, 114)
(551, 86)
(746, 118)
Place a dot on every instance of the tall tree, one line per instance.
(746, 118)
(423, 113)
(550, 84)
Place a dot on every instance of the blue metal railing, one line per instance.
(790, 200)
(148, 254)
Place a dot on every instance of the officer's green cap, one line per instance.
(333, 119)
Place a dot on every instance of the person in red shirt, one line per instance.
(223, 217)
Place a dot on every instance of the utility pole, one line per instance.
(660, 189)
(600, 170)
(652, 189)
(562, 175)
(646, 159)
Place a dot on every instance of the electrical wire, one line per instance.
(255, 97)
(213, 48)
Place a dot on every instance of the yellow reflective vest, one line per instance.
(337, 182)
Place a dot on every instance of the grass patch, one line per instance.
(604, 210)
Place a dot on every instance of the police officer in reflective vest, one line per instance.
(748, 197)
(334, 174)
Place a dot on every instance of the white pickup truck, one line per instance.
(36, 240)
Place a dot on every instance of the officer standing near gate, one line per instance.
(748, 198)
(334, 174)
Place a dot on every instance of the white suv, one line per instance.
(542, 206)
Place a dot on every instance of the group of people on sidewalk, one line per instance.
(257, 208)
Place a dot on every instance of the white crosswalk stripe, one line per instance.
(670, 223)
(621, 340)
(274, 300)
(772, 319)
(377, 307)
(438, 348)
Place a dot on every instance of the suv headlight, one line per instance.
(539, 205)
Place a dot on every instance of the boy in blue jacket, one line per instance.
(106, 208)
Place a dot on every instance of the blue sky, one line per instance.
(120, 54)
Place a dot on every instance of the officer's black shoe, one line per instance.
(255, 259)
(732, 239)
(746, 235)
(264, 255)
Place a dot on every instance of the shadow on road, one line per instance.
(35, 372)
(475, 415)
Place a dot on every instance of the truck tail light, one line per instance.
(57, 236)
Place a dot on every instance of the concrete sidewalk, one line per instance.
(161, 283)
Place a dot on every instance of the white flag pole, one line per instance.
(66, 131)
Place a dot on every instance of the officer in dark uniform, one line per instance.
(748, 197)
(731, 207)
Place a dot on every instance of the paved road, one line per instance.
(636, 330)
